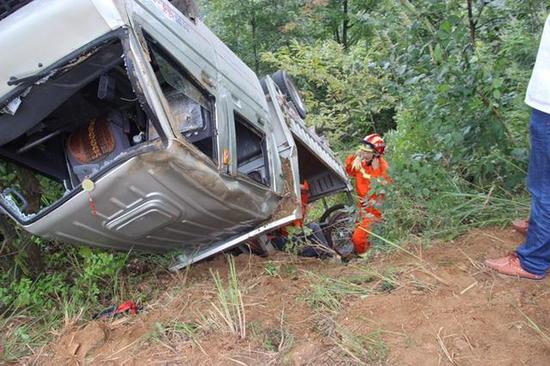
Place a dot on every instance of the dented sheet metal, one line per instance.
(160, 201)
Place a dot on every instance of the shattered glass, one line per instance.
(184, 98)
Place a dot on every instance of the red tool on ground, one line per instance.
(125, 307)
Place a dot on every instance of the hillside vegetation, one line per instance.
(442, 81)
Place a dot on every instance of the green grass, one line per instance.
(173, 332)
(229, 310)
(361, 349)
(272, 269)
(448, 213)
(277, 340)
(76, 284)
(327, 293)
(21, 334)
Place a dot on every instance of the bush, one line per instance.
(82, 276)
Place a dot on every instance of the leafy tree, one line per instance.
(250, 27)
(346, 91)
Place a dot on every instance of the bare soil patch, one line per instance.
(441, 308)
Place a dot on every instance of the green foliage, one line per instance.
(75, 282)
(83, 275)
(253, 26)
(454, 90)
(345, 90)
(272, 269)
(446, 91)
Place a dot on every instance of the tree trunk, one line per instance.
(254, 26)
(471, 23)
(33, 193)
(345, 24)
(7, 246)
(31, 189)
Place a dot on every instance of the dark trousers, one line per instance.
(534, 254)
(317, 238)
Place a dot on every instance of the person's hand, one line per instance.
(356, 164)
(365, 155)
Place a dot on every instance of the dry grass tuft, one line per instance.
(228, 311)
(536, 327)
(448, 354)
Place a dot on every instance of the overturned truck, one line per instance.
(153, 133)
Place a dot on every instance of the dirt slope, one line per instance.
(440, 307)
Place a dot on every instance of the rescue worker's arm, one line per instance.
(349, 165)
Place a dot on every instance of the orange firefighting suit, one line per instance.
(368, 203)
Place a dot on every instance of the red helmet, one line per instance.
(376, 142)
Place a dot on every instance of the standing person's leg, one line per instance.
(532, 259)
(534, 254)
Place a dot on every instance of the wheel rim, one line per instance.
(341, 233)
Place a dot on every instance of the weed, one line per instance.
(290, 269)
(173, 332)
(275, 342)
(326, 293)
(389, 280)
(271, 269)
(21, 334)
(536, 328)
(377, 350)
(255, 329)
(278, 340)
(229, 309)
(361, 349)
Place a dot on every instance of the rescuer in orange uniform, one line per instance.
(366, 166)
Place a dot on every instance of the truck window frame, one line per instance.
(197, 137)
(240, 121)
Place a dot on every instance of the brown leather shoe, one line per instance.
(521, 226)
(511, 266)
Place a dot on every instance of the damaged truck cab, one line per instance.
(148, 132)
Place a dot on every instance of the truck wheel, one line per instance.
(339, 230)
(329, 211)
(285, 83)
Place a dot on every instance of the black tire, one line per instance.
(329, 211)
(339, 230)
(285, 83)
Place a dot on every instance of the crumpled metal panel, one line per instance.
(182, 202)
